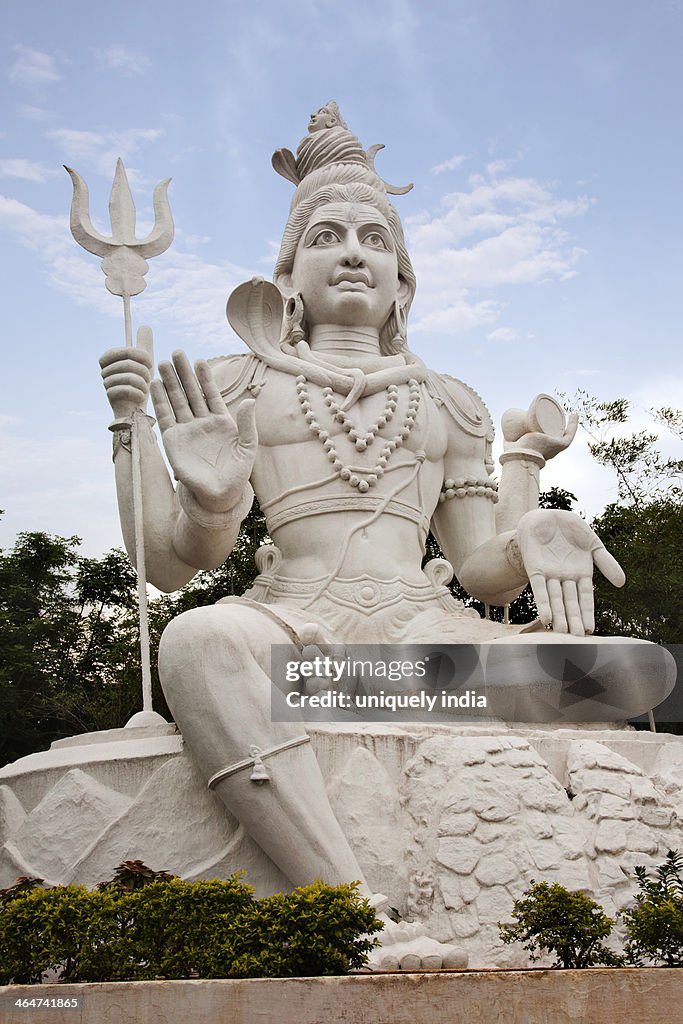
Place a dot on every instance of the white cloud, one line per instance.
(33, 113)
(100, 150)
(26, 170)
(59, 484)
(503, 334)
(33, 67)
(457, 314)
(269, 258)
(120, 58)
(186, 297)
(501, 231)
(449, 165)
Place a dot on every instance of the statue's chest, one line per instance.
(404, 415)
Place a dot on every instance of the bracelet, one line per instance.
(201, 516)
(124, 425)
(522, 455)
(461, 487)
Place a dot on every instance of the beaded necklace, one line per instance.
(361, 438)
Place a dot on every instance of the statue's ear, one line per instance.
(285, 283)
(403, 292)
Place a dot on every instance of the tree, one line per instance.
(654, 921)
(69, 637)
(647, 541)
(36, 620)
(644, 529)
(643, 473)
(70, 640)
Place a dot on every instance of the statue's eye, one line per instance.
(326, 237)
(375, 240)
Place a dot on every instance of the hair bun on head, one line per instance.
(331, 166)
(332, 148)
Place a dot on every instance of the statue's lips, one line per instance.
(351, 281)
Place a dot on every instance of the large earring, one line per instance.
(293, 330)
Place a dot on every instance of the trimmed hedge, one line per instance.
(175, 929)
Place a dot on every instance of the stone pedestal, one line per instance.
(451, 822)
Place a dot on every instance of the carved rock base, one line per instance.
(451, 822)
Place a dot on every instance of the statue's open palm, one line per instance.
(211, 453)
(559, 550)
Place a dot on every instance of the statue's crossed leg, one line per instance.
(214, 665)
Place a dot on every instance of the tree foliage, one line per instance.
(550, 919)
(68, 635)
(654, 923)
(70, 640)
(644, 529)
(643, 473)
(647, 541)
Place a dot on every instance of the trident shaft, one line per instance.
(124, 263)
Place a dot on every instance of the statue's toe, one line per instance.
(407, 948)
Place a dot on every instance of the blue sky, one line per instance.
(545, 224)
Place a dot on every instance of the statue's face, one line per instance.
(320, 119)
(346, 267)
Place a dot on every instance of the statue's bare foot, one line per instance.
(406, 947)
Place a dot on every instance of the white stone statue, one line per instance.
(355, 450)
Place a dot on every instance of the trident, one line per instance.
(124, 263)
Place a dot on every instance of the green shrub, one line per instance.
(68, 929)
(654, 924)
(570, 925)
(176, 929)
(318, 929)
(142, 928)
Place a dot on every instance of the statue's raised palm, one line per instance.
(211, 453)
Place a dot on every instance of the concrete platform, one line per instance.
(595, 996)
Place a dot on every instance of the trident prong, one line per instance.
(124, 262)
(123, 223)
(123, 255)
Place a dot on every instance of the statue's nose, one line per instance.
(353, 253)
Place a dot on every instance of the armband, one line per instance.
(121, 430)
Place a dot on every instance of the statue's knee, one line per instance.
(213, 636)
(190, 632)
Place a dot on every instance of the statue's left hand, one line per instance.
(559, 550)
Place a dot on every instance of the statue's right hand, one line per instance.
(127, 373)
(211, 453)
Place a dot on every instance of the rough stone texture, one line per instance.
(631, 818)
(595, 996)
(452, 825)
(371, 818)
(210, 837)
(68, 819)
(12, 814)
